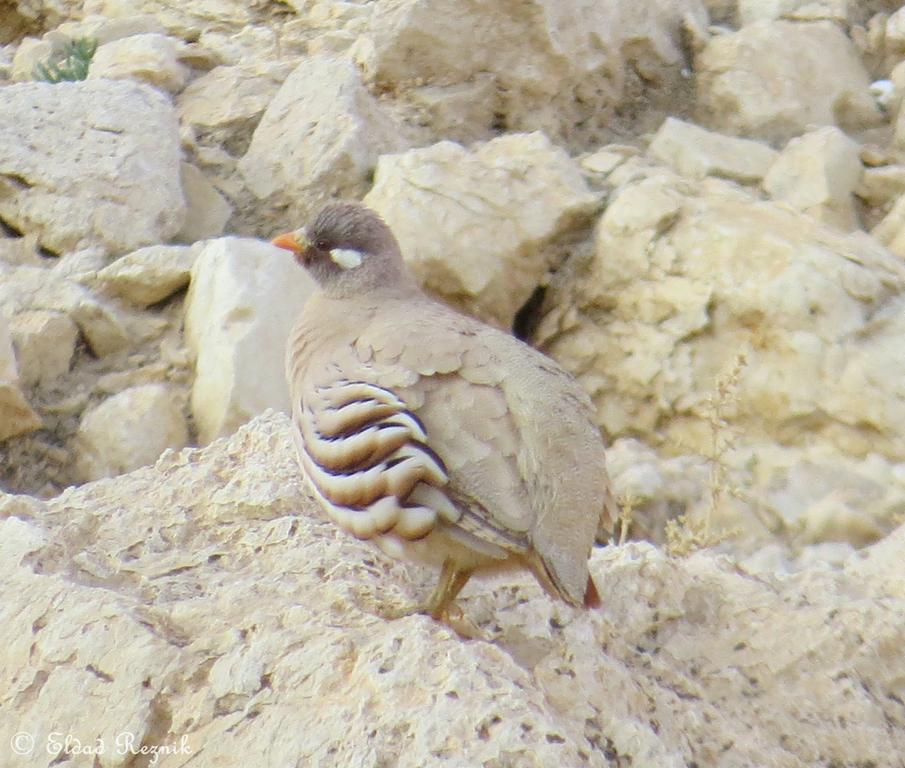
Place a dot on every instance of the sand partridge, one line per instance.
(435, 436)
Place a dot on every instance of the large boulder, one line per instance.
(472, 68)
(243, 299)
(92, 163)
(481, 228)
(319, 139)
(774, 80)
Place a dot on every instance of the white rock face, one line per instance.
(177, 589)
(476, 227)
(818, 173)
(686, 277)
(129, 430)
(774, 80)
(551, 65)
(44, 343)
(16, 415)
(149, 58)
(696, 152)
(319, 139)
(149, 274)
(243, 299)
(94, 163)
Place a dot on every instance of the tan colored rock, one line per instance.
(45, 343)
(106, 29)
(16, 415)
(882, 185)
(839, 11)
(774, 80)
(207, 211)
(688, 276)
(193, 570)
(894, 34)
(697, 152)
(149, 58)
(183, 20)
(818, 173)
(92, 163)
(554, 65)
(899, 137)
(130, 430)
(223, 106)
(243, 299)
(149, 274)
(319, 138)
(477, 227)
(891, 229)
(105, 328)
(29, 53)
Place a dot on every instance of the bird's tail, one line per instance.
(591, 595)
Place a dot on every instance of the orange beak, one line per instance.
(296, 242)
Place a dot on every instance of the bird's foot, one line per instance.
(451, 616)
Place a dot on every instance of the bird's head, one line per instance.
(347, 249)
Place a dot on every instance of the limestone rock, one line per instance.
(891, 230)
(696, 152)
(839, 11)
(16, 415)
(774, 80)
(223, 106)
(882, 185)
(151, 58)
(553, 65)
(176, 590)
(243, 299)
(688, 276)
(478, 227)
(184, 20)
(107, 29)
(319, 139)
(207, 211)
(45, 343)
(900, 127)
(129, 430)
(149, 274)
(894, 37)
(104, 327)
(29, 53)
(90, 163)
(818, 173)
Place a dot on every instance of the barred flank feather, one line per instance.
(367, 459)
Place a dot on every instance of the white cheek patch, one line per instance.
(346, 258)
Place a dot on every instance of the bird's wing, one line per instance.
(476, 429)
(516, 431)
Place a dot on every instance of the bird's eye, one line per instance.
(321, 245)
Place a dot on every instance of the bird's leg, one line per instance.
(452, 579)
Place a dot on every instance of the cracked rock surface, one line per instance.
(203, 605)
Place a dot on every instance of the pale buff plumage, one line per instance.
(431, 434)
